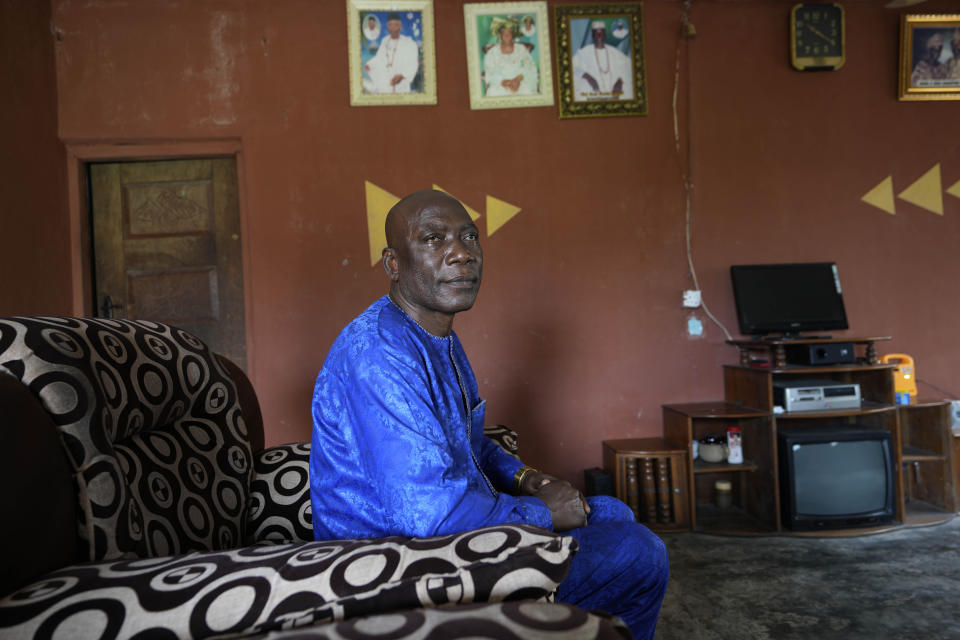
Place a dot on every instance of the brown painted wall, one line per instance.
(34, 267)
(578, 334)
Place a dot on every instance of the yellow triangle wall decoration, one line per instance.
(881, 196)
(925, 192)
(471, 212)
(955, 189)
(499, 213)
(379, 203)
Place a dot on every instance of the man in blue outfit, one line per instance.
(398, 444)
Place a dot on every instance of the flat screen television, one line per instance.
(788, 298)
(835, 477)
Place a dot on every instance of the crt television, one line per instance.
(835, 477)
(788, 298)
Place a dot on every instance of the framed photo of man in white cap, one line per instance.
(391, 52)
(929, 57)
(600, 62)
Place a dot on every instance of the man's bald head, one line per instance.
(400, 216)
(433, 258)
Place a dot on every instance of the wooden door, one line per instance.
(166, 247)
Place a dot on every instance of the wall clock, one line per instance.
(817, 37)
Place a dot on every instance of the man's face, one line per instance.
(371, 23)
(441, 262)
(599, 37)
(934, 48)
(394, 27)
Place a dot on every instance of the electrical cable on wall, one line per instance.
(687, 32)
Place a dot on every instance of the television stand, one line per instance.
(776, 349)
(920, 437)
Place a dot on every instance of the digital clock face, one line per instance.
(817, 36)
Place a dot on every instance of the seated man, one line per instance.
(398, 444)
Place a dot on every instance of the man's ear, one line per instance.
(390, 265)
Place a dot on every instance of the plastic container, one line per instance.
(734, 448)
(723, 493)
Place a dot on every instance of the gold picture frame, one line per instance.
(515, 73)
(929, 57)
(381, 74)
(600, 60)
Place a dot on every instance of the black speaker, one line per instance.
(597, 482)
(822, 353)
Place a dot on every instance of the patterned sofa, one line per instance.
(139, 502)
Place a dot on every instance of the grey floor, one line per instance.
(899, 585)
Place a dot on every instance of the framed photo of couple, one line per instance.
(391, 52)
(508, 54)
(929, 57)
(600, 62)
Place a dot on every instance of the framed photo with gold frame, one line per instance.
(929, 57)
(391, 52)
(600, 61)
(508, 54)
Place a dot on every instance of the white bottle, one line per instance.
(734, 450)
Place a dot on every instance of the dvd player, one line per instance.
(815, 395)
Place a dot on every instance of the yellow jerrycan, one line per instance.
(904, 376)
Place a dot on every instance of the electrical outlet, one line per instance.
(691, 299)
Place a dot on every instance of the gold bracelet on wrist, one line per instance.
(520, 475)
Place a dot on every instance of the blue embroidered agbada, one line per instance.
(395, 449)
(398, 449)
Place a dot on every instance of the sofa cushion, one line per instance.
(150, 424)
(279, 507)
(270, 587)
(514, 620)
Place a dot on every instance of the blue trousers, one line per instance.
(621, 567)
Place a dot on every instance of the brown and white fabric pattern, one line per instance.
(151, 425)
(519, 620)
(268, 587)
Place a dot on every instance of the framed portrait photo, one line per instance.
(508, 54)
(600, 63)
(392, 52)
(929, 57)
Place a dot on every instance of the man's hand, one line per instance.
(395, 80)
(618, 86)
(568, 509)
(591, 81)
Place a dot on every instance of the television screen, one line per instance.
(836, 477)
(788, 298)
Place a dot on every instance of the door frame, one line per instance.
(81, 153)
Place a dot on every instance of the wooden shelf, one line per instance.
(915, 454)
(924, 514)
(866, 408)
(699, 466)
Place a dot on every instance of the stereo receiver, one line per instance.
(815, 395)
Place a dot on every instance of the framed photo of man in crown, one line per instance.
(600, 61)
(391, 52)
(508, 54)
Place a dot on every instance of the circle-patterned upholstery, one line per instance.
(265, 588)
(151, 426)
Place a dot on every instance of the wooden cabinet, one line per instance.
(650, 475)
(920, 435)
(928, 483)
(753, 481)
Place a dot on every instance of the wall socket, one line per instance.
(691, 299)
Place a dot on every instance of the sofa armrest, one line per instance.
(265, 588)
(279, 502)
